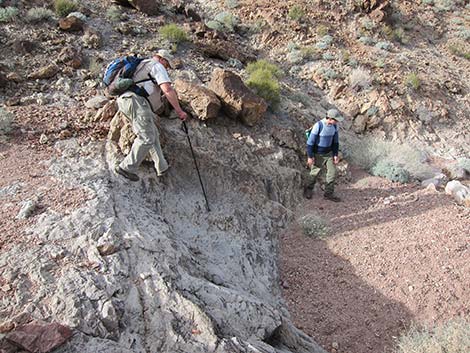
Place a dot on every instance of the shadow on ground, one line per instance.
(343, 309)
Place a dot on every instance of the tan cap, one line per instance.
(165, 54)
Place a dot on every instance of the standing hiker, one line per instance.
(141, 110)
(322, 151)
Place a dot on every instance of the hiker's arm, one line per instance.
(170, 94)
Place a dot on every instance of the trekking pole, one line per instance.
(185, 128)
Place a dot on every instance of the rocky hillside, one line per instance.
(103, 265)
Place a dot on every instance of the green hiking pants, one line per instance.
(323, 161)
(139, 112)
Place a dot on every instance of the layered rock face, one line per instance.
(143, 267)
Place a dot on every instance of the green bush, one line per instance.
(314, 226)
(296, 13)
(391, 171)
(265, 66)
(173, 33)
(39, 14)
(7, 14)
(265, 84)
(412, 80)
(450, 337)
(322, 30)
(64, 7)
(114, 14)
(6, 119)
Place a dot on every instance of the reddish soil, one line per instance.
(397, 255)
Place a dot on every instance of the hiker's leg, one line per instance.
(142, 125)
(330, 175)
(315, 169)
(157, 154)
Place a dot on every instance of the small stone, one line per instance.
(43, 139)
(335, 345)
(107, 249)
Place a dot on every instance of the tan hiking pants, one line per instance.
(139, 112)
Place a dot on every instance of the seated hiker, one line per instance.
(140, 110)
(322, 151)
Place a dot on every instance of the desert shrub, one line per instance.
(391, 171)
(459, 49)
(446, 5)
(296, 13)
(367, 40)
(264, 65)
(360, 78)
(368, 152)
(324, 42)
(38, 14)
(224, 22)
(464, 163)
(95, 65)
(231, 4)
(383, 45)
(6, 119)
(400, 36)
(322, 30)
(310, 53)
(7, 14)
(266, 85)
(114, 14)
(450, 337)
(314, 226)
(380, 63)
(173, 33)
(367, 24)
(327, 73)
(64, 7)
(412, 80)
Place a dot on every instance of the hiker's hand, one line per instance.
(182, 115)
(335, 159)
(310, 161)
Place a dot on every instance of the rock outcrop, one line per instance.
(203, 103)
(238, 101)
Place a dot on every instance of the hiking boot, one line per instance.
(126, 174)
(163, 172)
(331, 197)
(308, 192)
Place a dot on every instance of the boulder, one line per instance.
(438, 180)
(459, 192)
(97, 102)
(238, 101)
(202, 101)
(71, 24)
(107, 112)
(45, 72)
(360, 123)
(120, 132)
(41, 337)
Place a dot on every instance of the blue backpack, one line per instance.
(118, 76)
